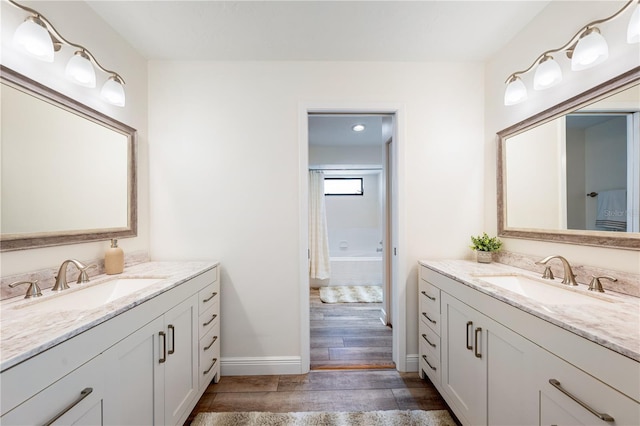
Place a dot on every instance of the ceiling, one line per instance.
(318, 30)
(445, 30)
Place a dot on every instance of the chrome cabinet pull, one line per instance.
(427, 317)
(205, 372)
(424, 336)
(206, 348)
(204, 324)
(164, 347)
(429, 297)
(469, 326)
(210, 297)
(173, 339)
(602, 416)
(83, 394)
(478, 354)
(430, 366)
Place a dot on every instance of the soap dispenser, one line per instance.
(114, 259)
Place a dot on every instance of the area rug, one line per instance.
(324, 418)
(351, 294)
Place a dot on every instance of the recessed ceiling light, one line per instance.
(358, 127)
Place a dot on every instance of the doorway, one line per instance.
(353, 154)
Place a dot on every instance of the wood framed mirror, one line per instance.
(68, 171)
(571, 174)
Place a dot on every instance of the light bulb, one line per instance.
(591, 50)
(34, 39)
(113, 92)
(548, 74)
(80, 70)
(633, 30)
(515, 92)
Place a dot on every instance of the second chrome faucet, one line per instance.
(569, 277)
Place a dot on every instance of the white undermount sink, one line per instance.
(551, 293)
(91, 295)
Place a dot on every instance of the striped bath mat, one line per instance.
(351, 294)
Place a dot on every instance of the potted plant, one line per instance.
(484, 246)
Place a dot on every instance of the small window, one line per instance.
(343, 186)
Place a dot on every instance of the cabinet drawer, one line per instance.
(557, 406)
(429, 315)
(209, 363)
(76, 399)
(208, 320)
(208, 296)
(431, 366)
(430, 296)
(429, 342)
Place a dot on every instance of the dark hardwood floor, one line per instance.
(352, 371)
(348, 335)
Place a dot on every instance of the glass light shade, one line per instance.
(633, 30)
(515, 92)
(113, 92)
(34, 39)
(548, 74)
(591, 50)
(80, 70)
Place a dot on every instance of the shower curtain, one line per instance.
(319, 267)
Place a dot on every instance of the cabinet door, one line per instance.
(77, 398)
(464, 368)
(181, 368)
(135, 378)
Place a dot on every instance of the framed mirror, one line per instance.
(571, 174)
(68, 172)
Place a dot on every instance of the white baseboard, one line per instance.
(260, 366)
(412, 363)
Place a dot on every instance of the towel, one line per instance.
(612, 210)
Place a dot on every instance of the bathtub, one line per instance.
(353, 268)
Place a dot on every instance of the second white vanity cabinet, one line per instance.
(503, 366)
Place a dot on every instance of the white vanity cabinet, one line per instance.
(142, 366)
(209, 334)
(429, 328)
(501, 365)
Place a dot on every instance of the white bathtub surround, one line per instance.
(351, 294)
(355, 269)
(319, 266)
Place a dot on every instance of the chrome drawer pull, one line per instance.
(206, 348)
(469, 325)
(601, 416)
(85, 393)
(204, 373)
(478, 354)
(424, 336)
(427, 317)
(164, 347)
(430, 366)
(429, 297)
(209, 298)
(204, 324)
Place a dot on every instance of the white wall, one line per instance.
(78, 23)
(224, 155)
(550, 29)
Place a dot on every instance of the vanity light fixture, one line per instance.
(586, 49)
(39, 38)
(358, 127)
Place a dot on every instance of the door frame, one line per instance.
(399, 280)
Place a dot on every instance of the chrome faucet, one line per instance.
(61, 278)
(569, 278)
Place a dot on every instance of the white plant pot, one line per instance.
(484, 256)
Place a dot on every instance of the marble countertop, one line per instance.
(615, 325)
(27, 332)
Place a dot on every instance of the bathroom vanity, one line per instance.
(512, 353)
(142, 358)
